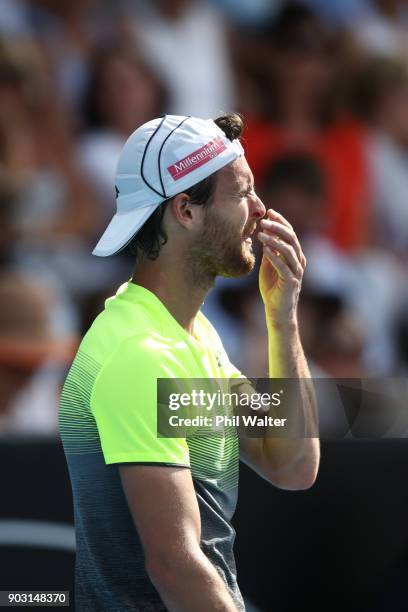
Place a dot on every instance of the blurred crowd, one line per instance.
(323, 89)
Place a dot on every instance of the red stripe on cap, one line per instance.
(196, 159)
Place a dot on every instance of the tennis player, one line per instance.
(153, 514)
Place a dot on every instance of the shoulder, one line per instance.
(147, 350)
(131, 372)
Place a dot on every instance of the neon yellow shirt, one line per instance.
(108, 416)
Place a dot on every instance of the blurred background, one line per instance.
(323, 89)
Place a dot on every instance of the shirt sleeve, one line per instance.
(124, 404)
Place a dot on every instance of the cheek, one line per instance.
(241, 213)
(232, 219)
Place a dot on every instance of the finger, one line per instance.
(285, 249)
(280, 265)
(274, 215)
(286, 234)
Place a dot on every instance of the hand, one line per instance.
(282, 267)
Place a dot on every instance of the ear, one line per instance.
(185, 213)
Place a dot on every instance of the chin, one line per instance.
(248, 256)
(242, 265)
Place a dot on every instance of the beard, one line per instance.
(220, 250)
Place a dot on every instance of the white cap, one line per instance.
(162, 158)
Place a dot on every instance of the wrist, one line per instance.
(284, 324)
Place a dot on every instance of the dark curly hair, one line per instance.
(151, 236)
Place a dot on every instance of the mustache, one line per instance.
(249, 232)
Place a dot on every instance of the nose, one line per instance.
(258, 210)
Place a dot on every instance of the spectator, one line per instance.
(334, 338)
(35, 149)
(302, 113)
(68, 32)
(381, 98)
(56, 215)
(32, 359)
(186, 43)
(296, 186)
(123, 94)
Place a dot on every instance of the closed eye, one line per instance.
(247, 192)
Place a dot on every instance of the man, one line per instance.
(153, 514)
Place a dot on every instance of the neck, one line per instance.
(177, 286)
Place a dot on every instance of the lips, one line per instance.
(249, 234)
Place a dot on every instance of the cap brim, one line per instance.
(121, 230)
